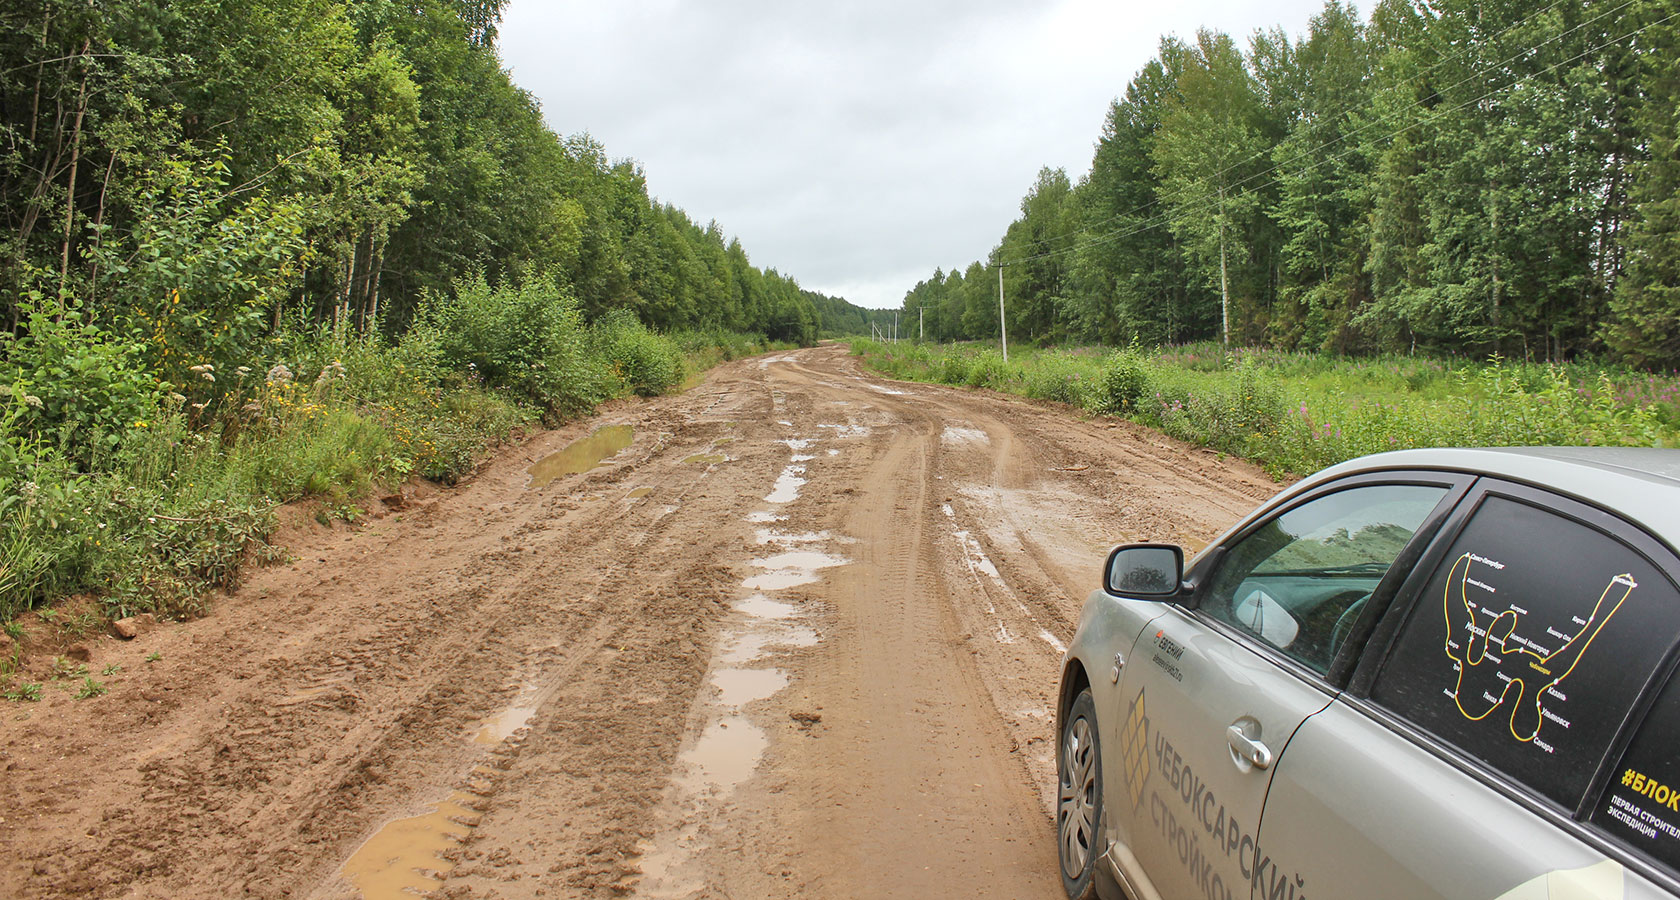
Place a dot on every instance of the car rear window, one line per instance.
(1530, 645)
(1641, 804)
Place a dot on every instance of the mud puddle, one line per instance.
(501, 726)
(581, 455)
(405, 857)
(786, 489)
(402, 859)
(791, 569)
(731, 745)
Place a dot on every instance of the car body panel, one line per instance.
(1188, 802)
(1108, 629)
(1417, 832)
(1365, 822)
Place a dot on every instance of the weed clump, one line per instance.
(151, 494)
(640, 361)
(1124, 382)
(1299, 412)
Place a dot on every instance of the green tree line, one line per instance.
(261, 251)
(1458, 176)
(197, 171)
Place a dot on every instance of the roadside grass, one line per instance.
(152, 509)
(1296, 413)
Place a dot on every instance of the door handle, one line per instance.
(1248, 749)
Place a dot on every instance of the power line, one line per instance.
(1209, 201)
(1416, 104)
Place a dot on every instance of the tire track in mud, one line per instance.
(962, 603)
(907, 753)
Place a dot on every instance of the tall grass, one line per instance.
(1300, 412)
(151, 494)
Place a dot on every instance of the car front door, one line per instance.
(1456, 763)
(1214, 691)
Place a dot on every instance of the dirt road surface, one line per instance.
(799, 637)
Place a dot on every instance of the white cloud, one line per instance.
(856, 146)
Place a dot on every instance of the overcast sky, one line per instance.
(854, 145)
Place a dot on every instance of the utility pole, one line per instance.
(895, 326)
(1003, 332)
(921, 324)
(1224, 282)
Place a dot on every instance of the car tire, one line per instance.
(1079, 798)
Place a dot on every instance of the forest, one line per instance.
(1460, 177)
(339, 158)
(257, 251)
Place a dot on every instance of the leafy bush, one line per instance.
(195, 276)
(952, 368)
(647, 364)
(1061, 378)
(1125, 381)
(988, 370)
(527, 336)
(82, 388)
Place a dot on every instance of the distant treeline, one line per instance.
(209, 167)
(1450, 175)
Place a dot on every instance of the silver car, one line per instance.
(1431, 673)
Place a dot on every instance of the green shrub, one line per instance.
(1065, 379)
(988, 370)
(83, 388)
(646, 363)
(527, 336)
(1125, 380)
(194, 277)
(952, 367)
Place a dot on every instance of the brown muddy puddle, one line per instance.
(401, 859)
(763, 607)
(582, 455)
(791, 569)
(751, 646)
(502, 725)
(738, 687)
(726, 754)
(640, 492)
(710, 459)
(787, 485)
(730, 744)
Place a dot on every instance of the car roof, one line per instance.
(1641, 484)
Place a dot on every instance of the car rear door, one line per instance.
(1457, 763)
(1213, 693)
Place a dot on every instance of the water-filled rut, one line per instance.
(791, 633)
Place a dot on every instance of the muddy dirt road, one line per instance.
(799, 637)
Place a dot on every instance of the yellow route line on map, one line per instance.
(1536, 661)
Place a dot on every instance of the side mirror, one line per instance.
(1145, 571)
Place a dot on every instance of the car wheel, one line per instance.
(1079, 798)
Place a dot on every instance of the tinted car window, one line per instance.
(1641, 804)
(1298, 581)
(1529, 645)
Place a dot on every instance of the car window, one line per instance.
(1300, 580)
(1640, 806)
(1529, 645)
